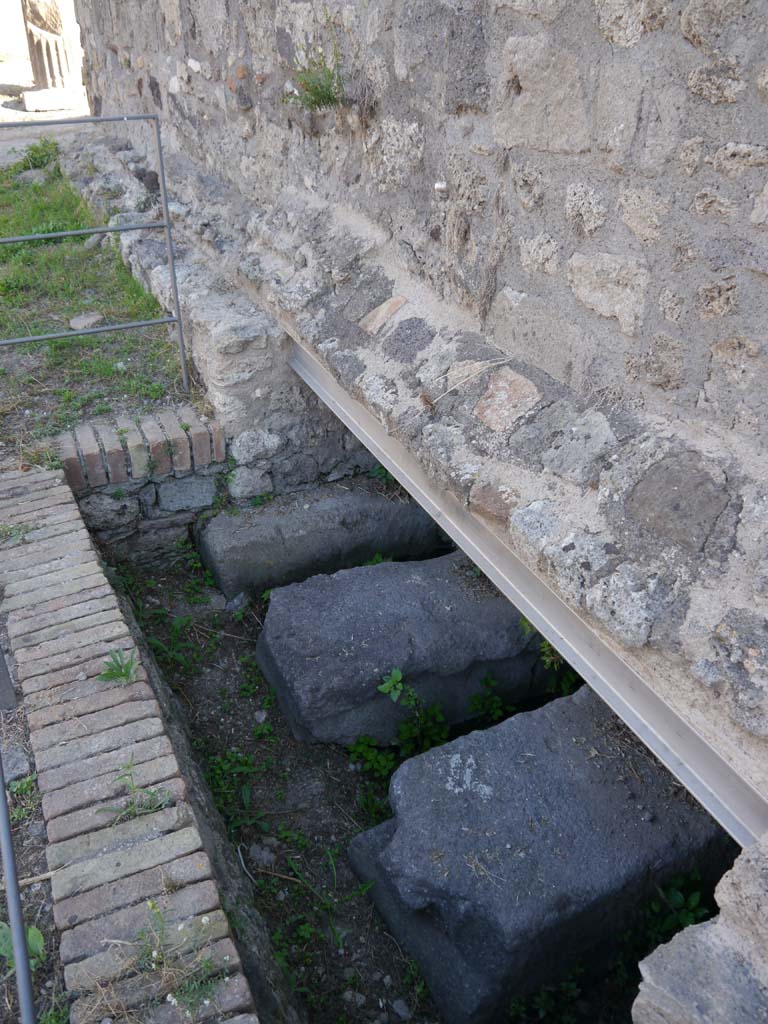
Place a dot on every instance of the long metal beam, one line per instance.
(731, 800)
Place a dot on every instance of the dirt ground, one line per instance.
(291, 808)
(29, 839)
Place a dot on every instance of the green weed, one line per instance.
(378, 559)
(120, 667)
(35, 947)
(25, 799)
(57, 1013)
(14, 532)
(230, 778)
(487, 705)
(140, 801)
(383, 475)
(319, 80)
(199, 986)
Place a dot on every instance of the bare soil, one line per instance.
(291, 808)
(29, 840)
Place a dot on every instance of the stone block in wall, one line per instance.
(108, 512)
(189, 493)
(539, 99)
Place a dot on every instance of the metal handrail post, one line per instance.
(15, 915)
(171, 259)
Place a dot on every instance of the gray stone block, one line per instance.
(516, 852)
(319, 530)
(15, 761)
(186, 493)
(327, 642)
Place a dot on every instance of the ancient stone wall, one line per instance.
(590, 177)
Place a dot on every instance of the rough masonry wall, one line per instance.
(499, 251)
(590, 177)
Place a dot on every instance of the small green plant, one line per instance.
(422, 730)
(378, 559)
(25, 799)
(392, 685)
(563, 681)
(57, 1013)
(140, 801)
(152, 940)
(41, 154)
(198, 986)
(253, 679)
(14, 532)
(35, 947)
(678, 905)
(264, 731)
(488, 705)
(366, 752)
(261, 499)
(555, 1003)
(383, 475)
(200, 577)
(319, 81)
(120, 667)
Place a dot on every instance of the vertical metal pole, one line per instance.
(171, 261)
(15, 916)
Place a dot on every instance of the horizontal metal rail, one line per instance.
(59, 121)
(164, 224)
(106, 329)
(729, 798)
(9, 239)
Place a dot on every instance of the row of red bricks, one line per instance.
(166, 442)
(63, 621)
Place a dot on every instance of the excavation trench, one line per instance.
(533, 901)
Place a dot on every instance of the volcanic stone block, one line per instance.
(327, 642)
(516, 852)
(307, 532)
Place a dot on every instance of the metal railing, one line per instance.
(7, 858)
(13, 900)
(164, 224)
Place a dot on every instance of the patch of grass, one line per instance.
(197, 987)
(58, 1013)
(261, 499)
(200, 579)
(230, 776)
(48, 386)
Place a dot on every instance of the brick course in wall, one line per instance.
(168, 442)
(63, 619)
